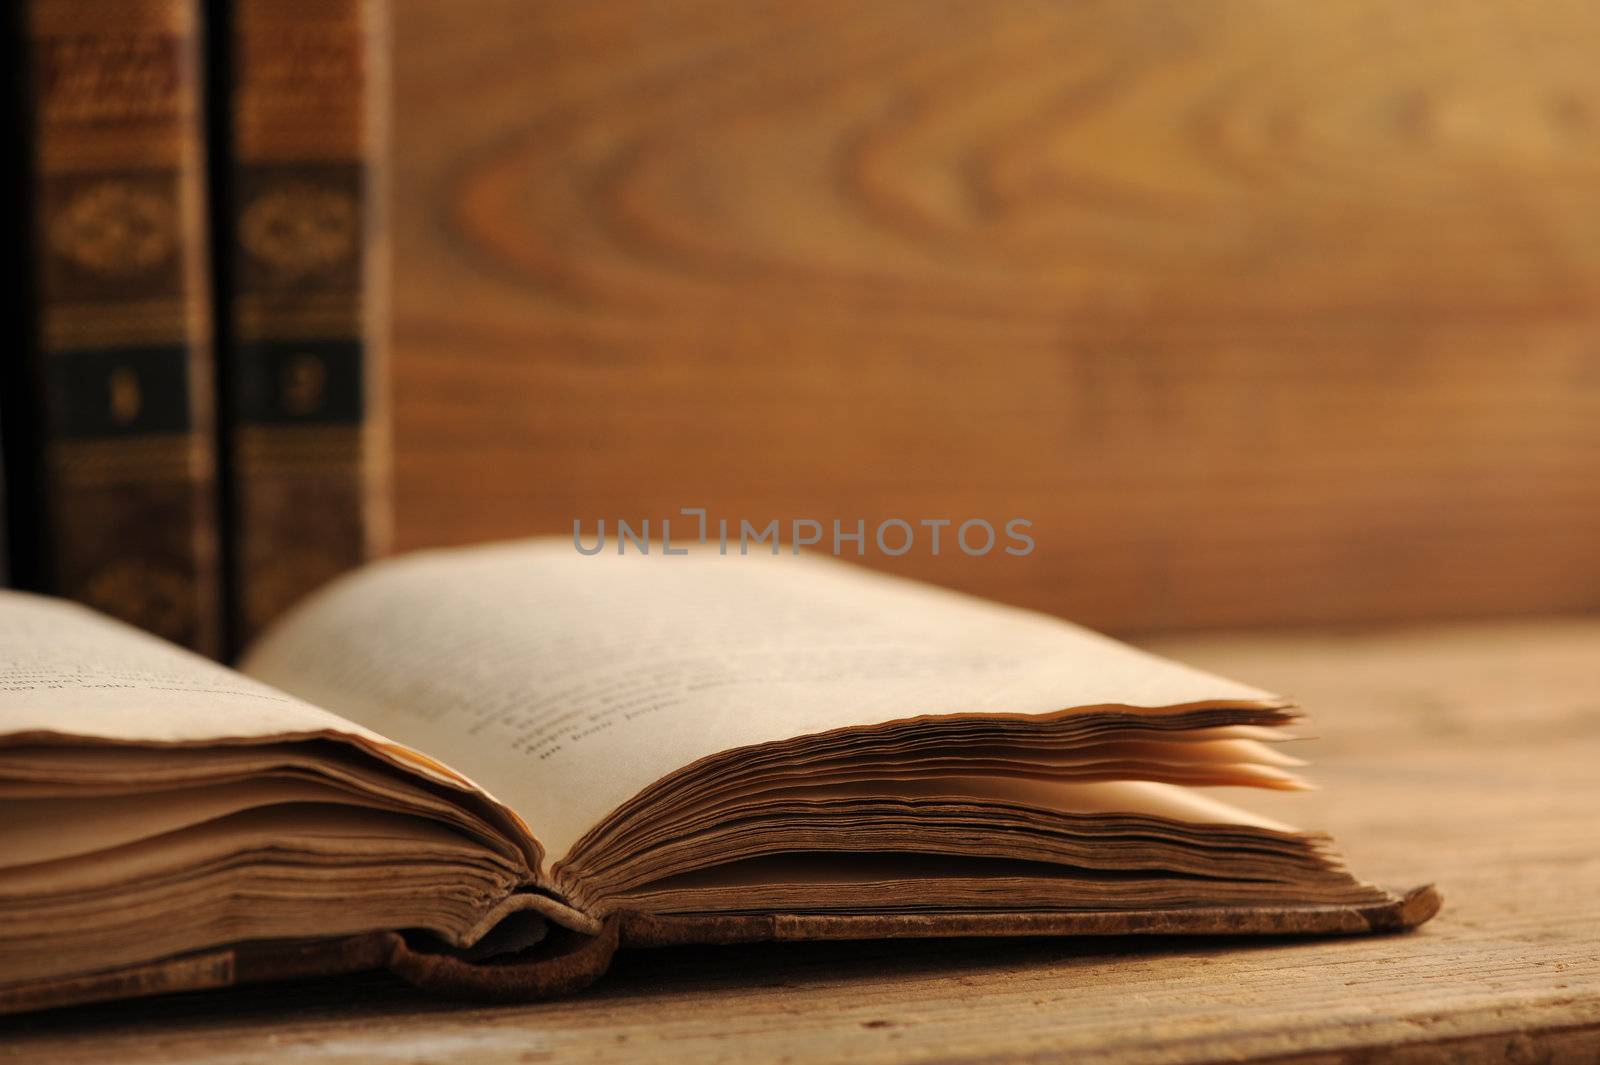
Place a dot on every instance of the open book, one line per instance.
(488, 768)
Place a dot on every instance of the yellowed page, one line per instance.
(566, 684)
(66, 669)
(69, 673)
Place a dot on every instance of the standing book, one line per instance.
(303, 356)
(488, 769)
(122, 352)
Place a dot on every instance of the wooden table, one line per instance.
(1468, 755)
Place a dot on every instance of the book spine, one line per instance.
(305, 365)
(118, 256)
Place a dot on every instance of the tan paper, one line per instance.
(566, 684)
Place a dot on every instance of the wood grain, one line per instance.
(1463, 755)
(1261, 312)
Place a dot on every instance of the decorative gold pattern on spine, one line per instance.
(124, 345)
(308, 440)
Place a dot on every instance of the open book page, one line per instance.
(68, 672)
(567, 684)
(65, 669)
(154, 802)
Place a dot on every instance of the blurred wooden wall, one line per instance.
(1261, 312)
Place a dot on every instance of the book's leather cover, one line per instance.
(118, 255)
(565, 961)
(304, 358)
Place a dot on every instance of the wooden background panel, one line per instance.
(1259, 312)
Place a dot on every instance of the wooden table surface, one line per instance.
(1465, 755)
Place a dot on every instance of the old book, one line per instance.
(489, 768)
(303, 355)
(123, 329)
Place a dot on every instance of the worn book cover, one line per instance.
(118, 258)
(303, 354)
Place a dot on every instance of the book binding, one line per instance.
(305, 361)
(566, 961)
(123, 321)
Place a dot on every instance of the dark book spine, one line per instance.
(122, 331)
(304, 365)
